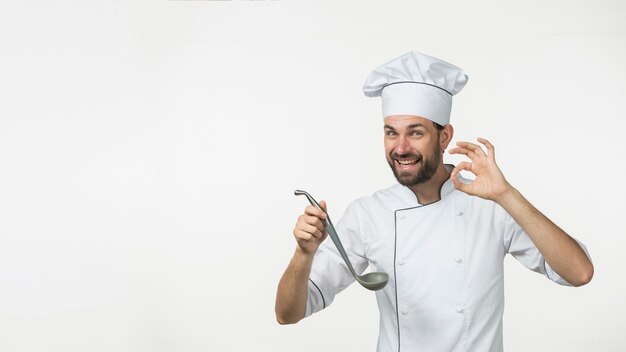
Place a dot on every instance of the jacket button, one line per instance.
(459, 309)
(404, 312)
(459, 213)
(401, 217)
(401, 262)
(458, 260)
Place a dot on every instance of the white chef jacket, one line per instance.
(445, 266)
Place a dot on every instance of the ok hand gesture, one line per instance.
(490, 182)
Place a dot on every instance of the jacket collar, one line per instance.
(446, 189)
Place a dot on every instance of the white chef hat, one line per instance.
(416, 84)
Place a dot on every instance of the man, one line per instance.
(441, 238)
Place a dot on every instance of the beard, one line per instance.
(424, 173)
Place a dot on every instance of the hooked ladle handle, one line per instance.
(331, 232)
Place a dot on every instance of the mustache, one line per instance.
(395, 155)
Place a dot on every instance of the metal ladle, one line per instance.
(372, 281)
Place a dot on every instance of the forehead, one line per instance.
(403, 121)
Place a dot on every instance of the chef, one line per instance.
(441, 238)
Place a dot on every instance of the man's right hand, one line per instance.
(310, 230)
(291, 296)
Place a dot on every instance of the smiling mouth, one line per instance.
(407, 163)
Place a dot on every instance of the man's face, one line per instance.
(412, 148)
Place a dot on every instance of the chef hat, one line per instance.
(416, 84)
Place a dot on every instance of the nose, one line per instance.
(403, 146)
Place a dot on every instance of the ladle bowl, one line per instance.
(374, 281)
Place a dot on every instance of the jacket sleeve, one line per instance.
(520, 246)
(329, 273)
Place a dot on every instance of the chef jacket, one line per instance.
(445, 266)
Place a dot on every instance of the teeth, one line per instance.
(407, 162)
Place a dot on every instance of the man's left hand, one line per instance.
(490, 182)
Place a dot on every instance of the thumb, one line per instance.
(459, 185)
(453, 175)
(323, 205)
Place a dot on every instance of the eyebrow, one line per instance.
(415, 125)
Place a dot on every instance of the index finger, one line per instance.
(315, 211)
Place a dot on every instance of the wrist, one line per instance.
(304, 255)
(508, 195)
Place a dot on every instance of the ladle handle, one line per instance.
(331, 232)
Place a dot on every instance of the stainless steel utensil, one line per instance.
(372, 281)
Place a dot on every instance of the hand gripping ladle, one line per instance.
(372, 281)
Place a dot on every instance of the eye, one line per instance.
(390, 133)
(416, 133)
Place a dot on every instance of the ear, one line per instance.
(445, 136)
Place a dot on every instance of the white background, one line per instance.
(149, 151)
